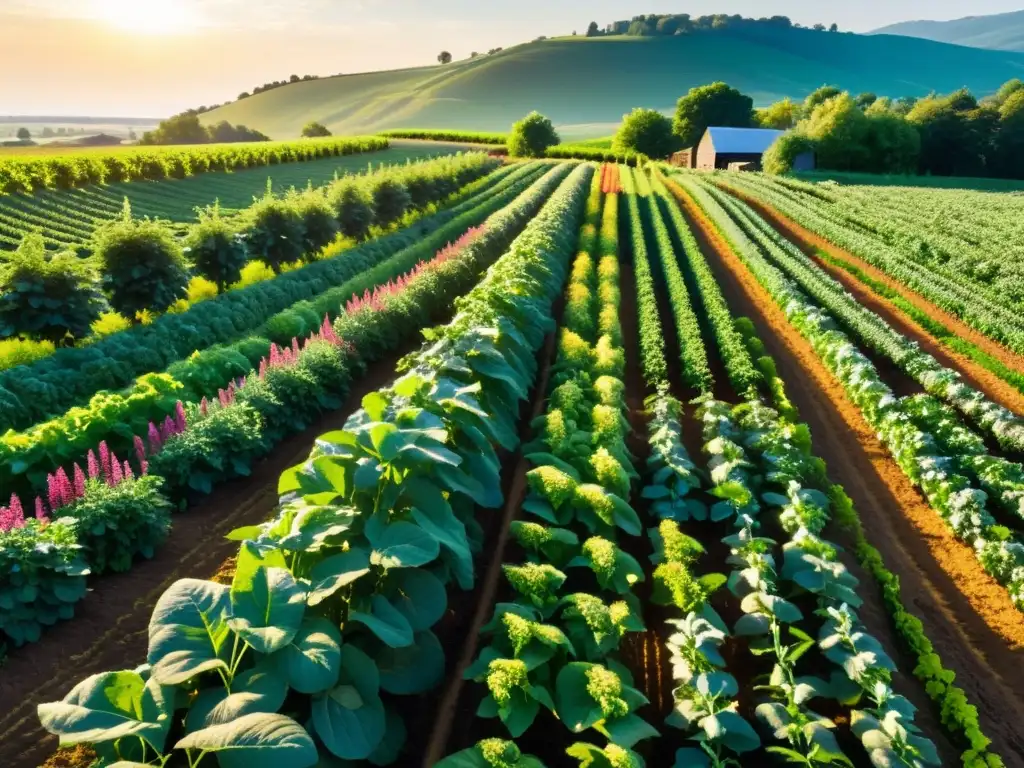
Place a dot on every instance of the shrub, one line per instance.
(647, 132)
(109, 323)
(532, 136)
(142, 264)
(784, 151)
(318, 219)
(216, 248)
(47, 296)
(315, 130)
(390, 201)
(276, 231)
(352, 207)
(22, 351)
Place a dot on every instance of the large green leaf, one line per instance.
(350, 718)
(419, 596)
(260, 689)
(267, 606)
(440, 522)
(188, 632)
(391, 745)
(110, 706)
(258, 740)
(576, 708)
(335, 572)
(402, 545)
(385, 621)
(414, 669)
(310, 661)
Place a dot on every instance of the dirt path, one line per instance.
(810, 241)
(110, 627)
(967, 615)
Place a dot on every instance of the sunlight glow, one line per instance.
(149, 17)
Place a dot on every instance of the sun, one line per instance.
(149, 17)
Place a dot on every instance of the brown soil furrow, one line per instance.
(968, 616)
(110, 627)
(811, 240)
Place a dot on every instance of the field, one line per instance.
(489, 93)
(572, 464)
(68, 218)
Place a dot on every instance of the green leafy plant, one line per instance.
(216, 248)
(531, 136)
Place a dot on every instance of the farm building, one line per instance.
(721, 147)
(683, 158)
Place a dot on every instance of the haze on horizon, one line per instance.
(152, 58)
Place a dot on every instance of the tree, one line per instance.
(818, 27)
(47, 133)
(294, 79)
(531, 136)
(593, 30)
(47, 296)
(24, 134)
(1008, 151)
(320, 224)
(444, 57)
(893, 145)
(782, 115)
(315, 130)
(782, 154)
(216, 248)
(352, 207)
(819, 96)
(710, 105)
(646, 131)
(473, 54)
(180, 129)
(142, 264)
(132, 136)
(956, 136)
(1007, 89)
(833, 27)
(390, 199)
(866, 99)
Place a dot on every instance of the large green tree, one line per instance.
(1008, 155)
(782, 115)
(646, 131)
(531, 136)
(716, 104)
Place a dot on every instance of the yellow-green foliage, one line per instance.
(579, 310)
(503, 677)
(575, 351)
(596, 499)
(108, 323)
(605, 687)
(608, 427)
(568, 397)
(254, 272)
(539, 583)
(610, 473)
(610, 359)
(678, 547)
(582, 267)
(200, 289)
(686, 592)
(556, 432)
(595, 614)
(610, 391)
(602, 556)
(553, 484)
(498, 753)
(22, 351)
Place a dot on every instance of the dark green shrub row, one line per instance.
(29, 394)
(474, 137)
(78, 169)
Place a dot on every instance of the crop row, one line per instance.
(474, 137)
(76, 169)
(968, 302)
(69, 376)
(919, 453)
(209, 442)
(374, 530)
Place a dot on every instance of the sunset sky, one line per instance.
(151, 58)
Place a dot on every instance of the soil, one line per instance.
(110, 627)
(973, 373)
(968, 616)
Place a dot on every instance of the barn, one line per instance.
(722, 147)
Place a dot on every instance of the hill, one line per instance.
(1001, 31)
(586, 84)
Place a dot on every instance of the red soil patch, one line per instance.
(968, 616)
(811, 240)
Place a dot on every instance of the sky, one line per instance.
(152, 58)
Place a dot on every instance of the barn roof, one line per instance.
(742, 140)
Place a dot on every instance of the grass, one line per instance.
(585, 85)
(68, 218)
(935, 182)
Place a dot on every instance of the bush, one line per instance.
(22, 351)
(390, 201)
(276, 231)
(109, 323)
(315, 130)
(318, 219)
(647, 132)
(784, 151)
(352, 207)
(216, 248)
(532, 136)
(142, 264)
(47, 296)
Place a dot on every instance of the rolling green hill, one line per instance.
(586, 84)
(1001, 31)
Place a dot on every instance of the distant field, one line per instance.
(936, 182)
(585, 85)
(68, 218)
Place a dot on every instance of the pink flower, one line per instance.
(140, 449)
(166, 429)
(179, 418)
(155, 443)
(144, 467)
(204, 407)
(64, 487)
(40, 511)
(116, 475)
(93, 465)
(105, 459)
(16, 508)
(128, 474)
(79, 482)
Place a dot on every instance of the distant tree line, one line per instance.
(277, 84)
(186, 129)
(667, 25)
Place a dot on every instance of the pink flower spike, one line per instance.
(167, 428)
(155, 443)
(128, 474)
(179, 417)
(67, 492)
(53, 492)
(15, 508)
(116, 475)
(144, 467)
(105, 459)
(204, 407)
(93, 466)
(140, 449)
(79, 482)
(40, 511)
